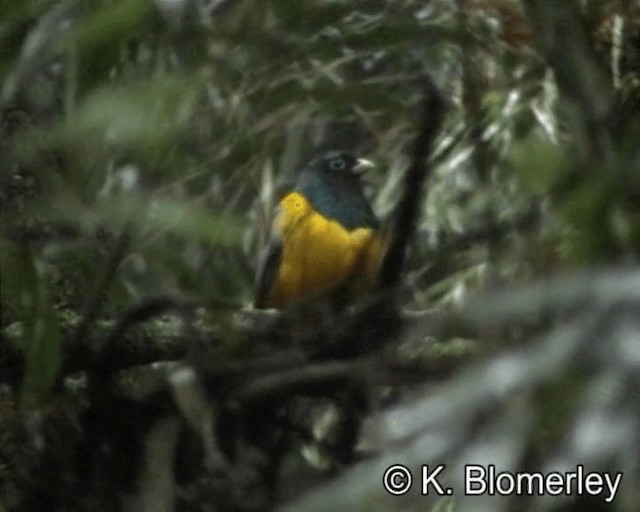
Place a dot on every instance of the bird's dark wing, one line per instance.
(269, 261)
(267, 272)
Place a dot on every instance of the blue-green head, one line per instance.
(332, 184)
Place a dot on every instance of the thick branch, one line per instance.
(407, 212)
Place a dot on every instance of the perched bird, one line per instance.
(325, 236)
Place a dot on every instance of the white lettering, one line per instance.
(474, 475)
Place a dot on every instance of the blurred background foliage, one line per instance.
(143, 143)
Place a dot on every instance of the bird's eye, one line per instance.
(337, 164)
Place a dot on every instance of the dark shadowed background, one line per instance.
(143, 145)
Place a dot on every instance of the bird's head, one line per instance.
(338, 166)
(333, 186)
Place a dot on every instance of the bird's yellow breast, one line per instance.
(318, 253)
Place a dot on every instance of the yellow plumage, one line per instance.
(319, 254)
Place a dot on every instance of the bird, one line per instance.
(325, 237)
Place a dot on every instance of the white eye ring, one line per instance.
(337, 164)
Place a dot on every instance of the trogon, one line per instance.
(325, 237)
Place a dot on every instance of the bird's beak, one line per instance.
(362, 166)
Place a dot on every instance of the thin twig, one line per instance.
(565, 45)
(93, 305)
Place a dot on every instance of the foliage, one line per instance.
(142, 147)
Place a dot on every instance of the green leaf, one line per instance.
(25, 285)
(111, 23)
(539, 164)
(154, 215)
